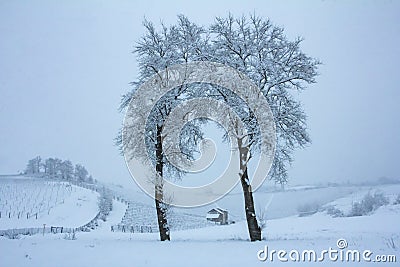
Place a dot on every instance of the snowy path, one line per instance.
(114, 218)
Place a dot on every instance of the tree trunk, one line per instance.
(252, 224)
(158, 187)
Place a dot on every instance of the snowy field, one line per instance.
(27, 202)
(378, 231)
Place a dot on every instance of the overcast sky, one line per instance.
(65, 64)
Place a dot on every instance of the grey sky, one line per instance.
(64, 65)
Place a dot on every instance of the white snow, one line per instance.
(225, 245)
(212, 215)
(75, 208)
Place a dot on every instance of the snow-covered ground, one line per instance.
(226, 245)
(55, 203)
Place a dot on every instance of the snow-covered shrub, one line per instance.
(105, 204)
(397, 201)
(261, 218)
(357, 210)
(12, 235)
(368, 204)
(334, 212)
(308, 208)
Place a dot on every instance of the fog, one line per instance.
(64, 67)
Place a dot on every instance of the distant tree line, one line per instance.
(56, 168)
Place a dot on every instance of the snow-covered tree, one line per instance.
(105, 203)
(278, 67)
(67, 170)
(33, 166)
(80, 173)
(157, 51)
(52, 167)
(57, 168)
(256, 48)
(90, 179)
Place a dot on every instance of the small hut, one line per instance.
(218, 215)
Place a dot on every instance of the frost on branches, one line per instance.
(254, 47)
